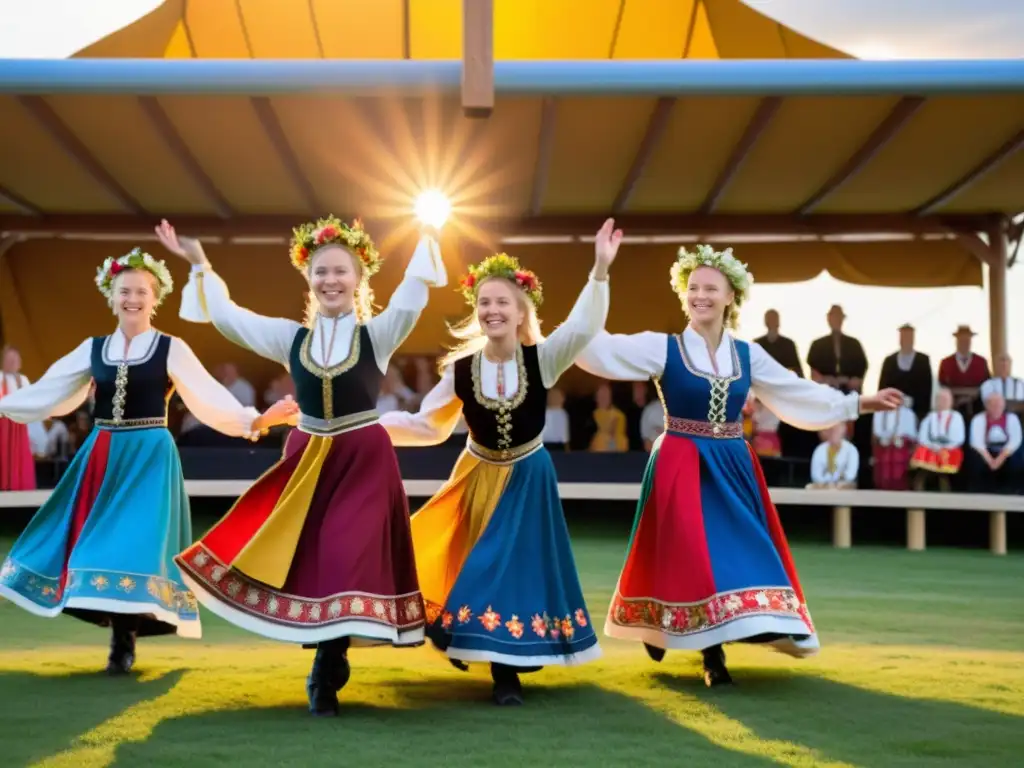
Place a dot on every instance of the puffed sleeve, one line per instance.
(391, 327)
(433, 423)
(625, 357)
(803, 403)
(205, 299)
(60, 391)
(556, 353)
(205, 397)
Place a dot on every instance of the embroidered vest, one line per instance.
(132, 394)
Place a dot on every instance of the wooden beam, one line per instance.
(406, 30)
(656, 126)
(15, 200)
(477, 58)
(545, 150)
(77, 151)
(177, 146)
(762, 117)
(997, 292)
(275, 133)
(1007, 150)
(720, 225)
(905, 109)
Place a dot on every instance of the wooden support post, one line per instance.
(997, 289)
(997, 533)
(477, 58)
(842, 534)
(915, 530)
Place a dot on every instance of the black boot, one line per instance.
(123, 630)
(329, 675)
(715, 671)
(656, 654)
(507, 689)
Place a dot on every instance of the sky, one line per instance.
(889, 29)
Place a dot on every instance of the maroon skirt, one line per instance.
(892, 466)
(318, 548)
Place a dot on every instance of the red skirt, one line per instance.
(17, 467)
(945, 462)
(766, 444)
(318, 548)
(892, 466)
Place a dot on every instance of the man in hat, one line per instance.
(910, 372)
(838, 359)
(780, 348)
(964, 372)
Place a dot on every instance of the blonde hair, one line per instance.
(471, 335)
(363, 302)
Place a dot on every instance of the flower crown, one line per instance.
(134, 259)
(309, 237)
(502, 265)
(735, 272)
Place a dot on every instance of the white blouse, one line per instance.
(942, 430)
(65, 385)
(206, 299)
(845, 467)
(1012, 388)
(441, 408)
(982, 435)
(890, 425)
(801, 402)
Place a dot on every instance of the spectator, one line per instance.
(556, 422)
(940, 439)
(779, 347)
(995, 440)
(893, 439)
(835, 462)
(1004, 382)
(227, 374)
(611, 424)
(910, 372)
(964, 372)
(652, 423)
(837, 359)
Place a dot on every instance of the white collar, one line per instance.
(693, 337)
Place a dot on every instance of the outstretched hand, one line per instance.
(606, 247)
(281, 411)
(888, 399)
(187, 248)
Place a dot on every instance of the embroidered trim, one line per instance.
(505, 455)
(146, 356)
(337, 425)
(542, 625)
(503, 407)
(403, 612)
(682, 619)
(694, 428)
(719, 398)
(114, 424)
(327, 375)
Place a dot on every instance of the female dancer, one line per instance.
(707, 561)
(102, 546)
(495, 565)
(317, 551)
(17, 467)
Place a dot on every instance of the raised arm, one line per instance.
(433, 423)
(391, 327)
(61, 390)
(205, 299)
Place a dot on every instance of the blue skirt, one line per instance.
(104, 542)
(496, 567)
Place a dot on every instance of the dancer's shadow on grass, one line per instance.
(44, 714)
(860, 726)
(438, 721)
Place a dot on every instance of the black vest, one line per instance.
(138, 390)
(351, 386)
(501, 425)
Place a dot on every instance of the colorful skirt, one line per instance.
(891, 466)
(767, 444)
(497, 570)
(946, 461)
(317, 549)
(17, 467)
(708, 561)
(105, 540)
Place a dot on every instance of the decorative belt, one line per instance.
(330, 427)
(115, 425)
(694, 428)
(505, 455)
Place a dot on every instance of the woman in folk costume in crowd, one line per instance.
(940, 444)
(495, 566)
(17, 466)
(893, 440)
(707, 561)
(835, 462)
(318, 551)
(101, 548)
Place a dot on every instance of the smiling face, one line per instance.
(134, 297)
(708, 295)
(500, 308)
(11, 361)
(334, 277)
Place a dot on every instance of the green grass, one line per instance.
(922, 665)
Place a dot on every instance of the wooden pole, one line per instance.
(997, 289)
(477, 58)
(997, 533)
(915, 530)
(842, 533)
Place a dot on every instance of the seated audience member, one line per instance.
(764, 438)
(652, 423)
(1005, 383)
(995, 440)
(556, 422)
(48, 438)
(611, 424)
(940, 439)
(835, 462)
(893, 439)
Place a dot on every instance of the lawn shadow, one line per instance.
(438, 721)
(861, 726)
(47, 713)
